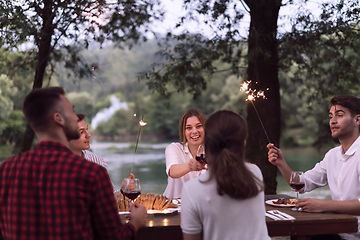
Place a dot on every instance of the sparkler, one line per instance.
(252, 95)
(141, 124)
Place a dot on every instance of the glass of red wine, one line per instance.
(296, 184)
(132, 188)
(200, 154)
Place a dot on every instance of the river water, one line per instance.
(149, 167)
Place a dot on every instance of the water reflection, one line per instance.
(149, 163)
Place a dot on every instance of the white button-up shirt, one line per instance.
(176, 153)
(341, 171)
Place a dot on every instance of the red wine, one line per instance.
(201, 158)
(132, 194)
(297, 186)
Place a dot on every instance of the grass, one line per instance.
(133, 145)
(112, 148)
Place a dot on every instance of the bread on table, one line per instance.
(149, 200)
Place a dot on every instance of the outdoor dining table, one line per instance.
(302, 227)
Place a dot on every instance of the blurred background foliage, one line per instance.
(317, 59)
(302, 114)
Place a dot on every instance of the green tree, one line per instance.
(7, 89)
(322, 54)
(17, 66)
(122, 123)
(324, 50)
(191, 63)
(13, 128)
(55, 28)
(83, 103)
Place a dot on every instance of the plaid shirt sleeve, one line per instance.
(106, 220)
(92, 157)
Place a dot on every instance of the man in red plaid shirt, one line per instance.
(50, 193)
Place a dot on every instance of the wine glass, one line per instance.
(200, 154)
(132, 188)
(296, 184)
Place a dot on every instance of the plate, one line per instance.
(271, 202)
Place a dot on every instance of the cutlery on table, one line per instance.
(273, 216)
(280, 215)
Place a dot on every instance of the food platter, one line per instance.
(271, 202)
(158, 212)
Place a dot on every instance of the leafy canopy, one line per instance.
(73, 25)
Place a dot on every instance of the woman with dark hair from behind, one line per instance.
(232, 188)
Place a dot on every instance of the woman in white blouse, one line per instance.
(181, 165)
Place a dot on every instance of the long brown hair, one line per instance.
(182, 124)
(225, 136)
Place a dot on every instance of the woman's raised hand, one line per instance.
(195, 165)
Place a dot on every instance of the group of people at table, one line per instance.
(59, 190)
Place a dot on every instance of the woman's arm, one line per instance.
(179, 170)
(177, 164)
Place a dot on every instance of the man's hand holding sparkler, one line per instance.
(276, 157)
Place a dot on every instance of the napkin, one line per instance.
(272, 216)
(278, 215)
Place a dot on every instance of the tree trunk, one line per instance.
(263, 73)
(44, 45)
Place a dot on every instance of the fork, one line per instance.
(279, 213)
(280, 217)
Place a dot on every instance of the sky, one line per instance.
(174, 10)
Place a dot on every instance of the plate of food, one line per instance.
(282, 202)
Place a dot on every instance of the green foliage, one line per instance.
(83, 103)
(79, 20)
(7, 90)
(20, 71)
(164, 115)
(59, 30)
(319, 59)
(116, 72)
(5, 152)
(122, 123)
(191, 63)
(13, 128)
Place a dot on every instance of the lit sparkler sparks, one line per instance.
(253, 94)
(141, 124)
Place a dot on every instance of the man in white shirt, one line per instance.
(340, 168)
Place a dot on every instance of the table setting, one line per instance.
(278, 215)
